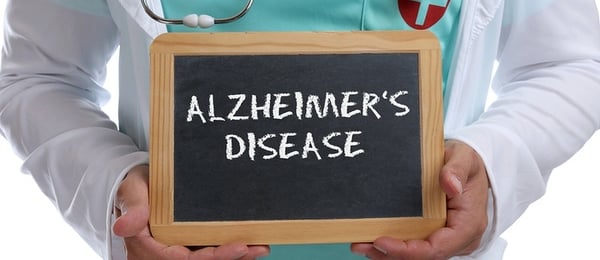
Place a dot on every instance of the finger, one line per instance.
(368, 250)
(255, 252)
(413, 249)
(232, 251)
(132, 203)
(466, 219)
(466, 223)
(132, 222)
(463, 239)
(421, 249)
(146, 248)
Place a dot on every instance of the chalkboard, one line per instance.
(257, 140)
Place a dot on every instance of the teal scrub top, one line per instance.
(439, 16)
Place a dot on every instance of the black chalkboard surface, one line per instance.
(264, 142)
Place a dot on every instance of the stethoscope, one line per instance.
(194, 20)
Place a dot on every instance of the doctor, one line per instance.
(497, 161)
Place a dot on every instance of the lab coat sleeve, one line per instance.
(547, 106)
(53, 68)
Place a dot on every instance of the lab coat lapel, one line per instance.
(135, 10)
(485, 11)
(476, 17)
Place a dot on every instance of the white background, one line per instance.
(564, 224)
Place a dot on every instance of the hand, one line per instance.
(133, 212)
(464, 180)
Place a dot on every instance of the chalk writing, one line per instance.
(280, 106)
(237, 146)
(276, 106)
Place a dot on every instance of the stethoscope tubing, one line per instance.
(164, 20)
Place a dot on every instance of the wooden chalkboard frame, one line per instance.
(167, 46)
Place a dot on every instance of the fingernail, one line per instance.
(457, 184)
(263, 254)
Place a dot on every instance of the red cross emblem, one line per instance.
(422, 14)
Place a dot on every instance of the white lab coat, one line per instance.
(53, 66)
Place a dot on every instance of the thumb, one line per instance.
(451, 183)
(461, 161)
(131, 203)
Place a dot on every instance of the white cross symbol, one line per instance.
(424, 8)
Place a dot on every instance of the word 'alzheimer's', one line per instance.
(276, 106)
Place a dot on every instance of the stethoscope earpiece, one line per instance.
(202, 21)
(194, 20)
